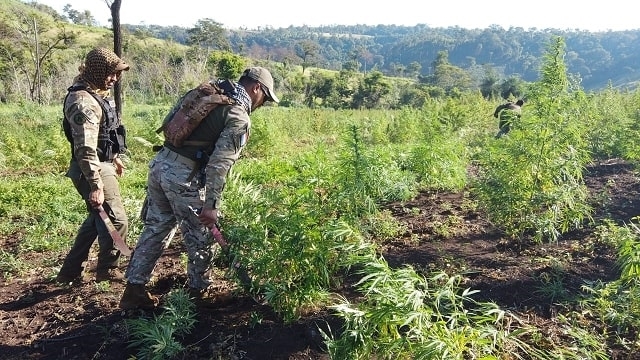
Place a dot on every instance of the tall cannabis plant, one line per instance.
(530, 182)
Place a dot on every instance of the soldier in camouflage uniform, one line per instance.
(508, 114)
(97, 138)
(193, 176)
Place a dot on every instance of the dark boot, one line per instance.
(136, 297)
(65, 278)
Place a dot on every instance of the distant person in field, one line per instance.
(192, 176)
(508, 114)
(97, 137)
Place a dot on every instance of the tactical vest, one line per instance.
(112, 134)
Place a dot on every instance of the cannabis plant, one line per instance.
(531, 181)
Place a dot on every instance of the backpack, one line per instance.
(188, 113)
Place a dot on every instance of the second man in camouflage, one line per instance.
(173, 190)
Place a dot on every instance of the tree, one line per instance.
(226, 64)
(307, 50)
(371, 91)
(210, 35)
(79, 18)
(29, 52)
(366, 56)
(447, 76)
(114, 6)
(352, 64)
(330, 90)
(489, 84)
(414, 69)
(512, 87)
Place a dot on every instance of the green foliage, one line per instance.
(381, 226)
(158, 338)
(585, 344)
(163, 66)
(294, 218)
(371, 91)
(531, 181)
(405, 316)
(10, 264)
(512, 87)
(616, 304)
(367, 176)
(612, 121)
(208, 34)
(629, 255)
(32, 139)
(227, 65)
(307, 196)
(406, 125)
(47, 226)
(551, 285)
(330, 90)
(278, 233)
(440, 164)
(446, 76)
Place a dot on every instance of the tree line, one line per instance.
(338, 66)
(596, 58)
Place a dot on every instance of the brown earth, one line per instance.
(42, 320)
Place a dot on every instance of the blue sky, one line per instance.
(252, 14)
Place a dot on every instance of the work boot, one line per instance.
(64, 278)
(136, 297)
(113, 275)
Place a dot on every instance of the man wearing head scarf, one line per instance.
(173, 191)
(97, 138)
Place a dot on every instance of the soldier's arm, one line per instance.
(84, 114)
(232, 140)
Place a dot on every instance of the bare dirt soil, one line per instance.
(40, 319)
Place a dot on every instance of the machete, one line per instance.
(215, 231)
(235, 265)
(118, 242)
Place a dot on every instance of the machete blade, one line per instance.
(118, 242)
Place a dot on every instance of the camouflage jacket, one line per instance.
(226, 130)
(94, 130)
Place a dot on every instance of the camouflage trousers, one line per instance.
(93, 227)
(169, 195)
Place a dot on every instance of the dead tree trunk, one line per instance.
(117, 47)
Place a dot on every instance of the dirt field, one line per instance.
(42, 320)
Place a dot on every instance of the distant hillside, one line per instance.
(495, 61)
(597, 58)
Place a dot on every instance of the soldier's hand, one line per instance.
(209, 217)
(96, 198)
(117, 162)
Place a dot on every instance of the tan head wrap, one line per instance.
(100, 63)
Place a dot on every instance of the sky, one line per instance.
(595, 15)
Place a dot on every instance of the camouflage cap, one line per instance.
(263, 76)
(99, 63)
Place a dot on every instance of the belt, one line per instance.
(174, 156)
